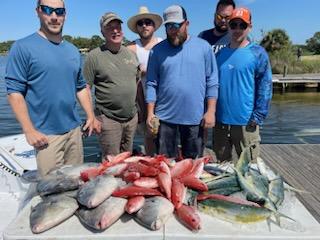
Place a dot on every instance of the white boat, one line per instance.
(16, 156)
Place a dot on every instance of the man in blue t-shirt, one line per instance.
(245, 90)
(44, 79)
(218, 36)
(181, 74)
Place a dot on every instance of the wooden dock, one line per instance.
(309, 80)
(299, 165)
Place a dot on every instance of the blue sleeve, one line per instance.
(263, 86)
(16, 75)
(152, 79)
(211, 74)
(81, 82)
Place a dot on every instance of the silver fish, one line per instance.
(155, 212)
(73, 170)
(103, 216)
(51, 212)
(94, 192)
(57, 184)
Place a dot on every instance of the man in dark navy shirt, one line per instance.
(218, 36)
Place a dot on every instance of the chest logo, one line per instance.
(230, 66)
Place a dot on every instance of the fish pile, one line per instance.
(153, 189)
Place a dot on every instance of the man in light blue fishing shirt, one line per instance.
(245, 90)
(182, 75)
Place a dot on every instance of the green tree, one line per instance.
(276, 40)
(96, 41)
(68, 38)
(5, 46)
(313, 44)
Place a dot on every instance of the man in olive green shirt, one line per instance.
(113, 71)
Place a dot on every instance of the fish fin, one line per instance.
(277, 215)
(290, 188)
(269, 220)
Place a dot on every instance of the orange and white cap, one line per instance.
(241, 13)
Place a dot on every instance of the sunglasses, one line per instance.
(49, 10)
(174, 26)
(147, 22)
(241, 26)
(220, 17)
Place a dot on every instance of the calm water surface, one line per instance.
(293, 118)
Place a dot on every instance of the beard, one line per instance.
(146, 35)
(177, 40)
(52, 31)
(219, 28)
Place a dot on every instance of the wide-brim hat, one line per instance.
(144, 14)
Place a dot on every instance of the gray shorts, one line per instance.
(227, 137)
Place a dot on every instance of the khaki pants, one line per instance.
(62, 150)
(228, 136)
(116, 137)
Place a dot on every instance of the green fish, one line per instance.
(234, 212)
(225, 182)
(276, 191)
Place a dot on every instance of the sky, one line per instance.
(299, 18)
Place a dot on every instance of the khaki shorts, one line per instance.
(229, 137)
(116, 137)
(62, 150)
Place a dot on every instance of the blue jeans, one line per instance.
(191, 139)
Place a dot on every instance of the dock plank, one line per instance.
(299, 165)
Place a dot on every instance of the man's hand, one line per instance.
(37, 139)
(209, 120)
(149, 122)
(92, 125)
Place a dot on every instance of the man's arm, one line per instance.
(150, 109)
(209, 118)
(263, 89)
(92, 124)
(19, 107)
(151, 86)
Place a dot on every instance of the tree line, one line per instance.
(272, 41)
(79, 42)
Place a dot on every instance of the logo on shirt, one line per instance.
(217, 48)
(129, 61)
(230, 66)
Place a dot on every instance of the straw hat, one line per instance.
(143, 14)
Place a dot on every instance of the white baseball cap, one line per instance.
(174, 14)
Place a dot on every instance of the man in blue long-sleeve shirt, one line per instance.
(181, 87)
(245, 90)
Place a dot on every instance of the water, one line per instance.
(293, 118)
